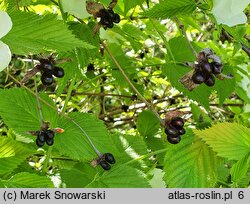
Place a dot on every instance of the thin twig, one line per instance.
(184, 33)
(131, 84)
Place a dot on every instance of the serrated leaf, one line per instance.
(229, 140)
(32, 33)
(239, 169)
(181, 50)
(147, 123)
(8, 164)
(74, 143)
(170, 8)
(19, 110)
(128, 4)
(190, 164)
(28, 180)
(10, 147)
(120, 177)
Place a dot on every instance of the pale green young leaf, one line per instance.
(10, 148)
(229, 140)
(230, 12)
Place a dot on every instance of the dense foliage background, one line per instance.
(152, 44)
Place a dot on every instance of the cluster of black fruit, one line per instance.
(106, 160)
(208, 66)
(48, 70)
(108, 18)
(45, 136)
(174, 129)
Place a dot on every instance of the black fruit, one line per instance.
(171, 131)
(58, 72)
(177, 122)
(50, 134)
(198, 77)
(116, 18)
(210, 81)
(206, 67)
(47, 79)
(173, 140)
(111, 13)
(49, 141)
(125, 108)
(105, 165)
(216, 68)
(39, 143)
(90, 67)
(181, 131)
(109, 158)
(41, 136)
(110, 25)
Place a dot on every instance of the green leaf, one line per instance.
(8, 164)
(200, 117)
(75, 7)
(239, 169)
(147, 123)
(74, 178)
(28, 180)
(229, 140)
(190, 164)
(181, 50)
(120, 177)
(10, 147)
(74, 143)
(128, 4)
(19, 110)
(33, 33)
(170, 8)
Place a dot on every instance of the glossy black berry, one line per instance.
(49, 141)
(47, 79)
(206, 67)
(41, 136)
(109, 158)
(111, 13)
(50, 134)
(39, 143)
(177, 122)
(58, 72)
(46, 65)
(181, 131)
(90, 67)
(105, 165)
(125, 108)
(210, 81)
(171, 131)
(116, 18)
(173, 140)
(198, 77)
(216, 68)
